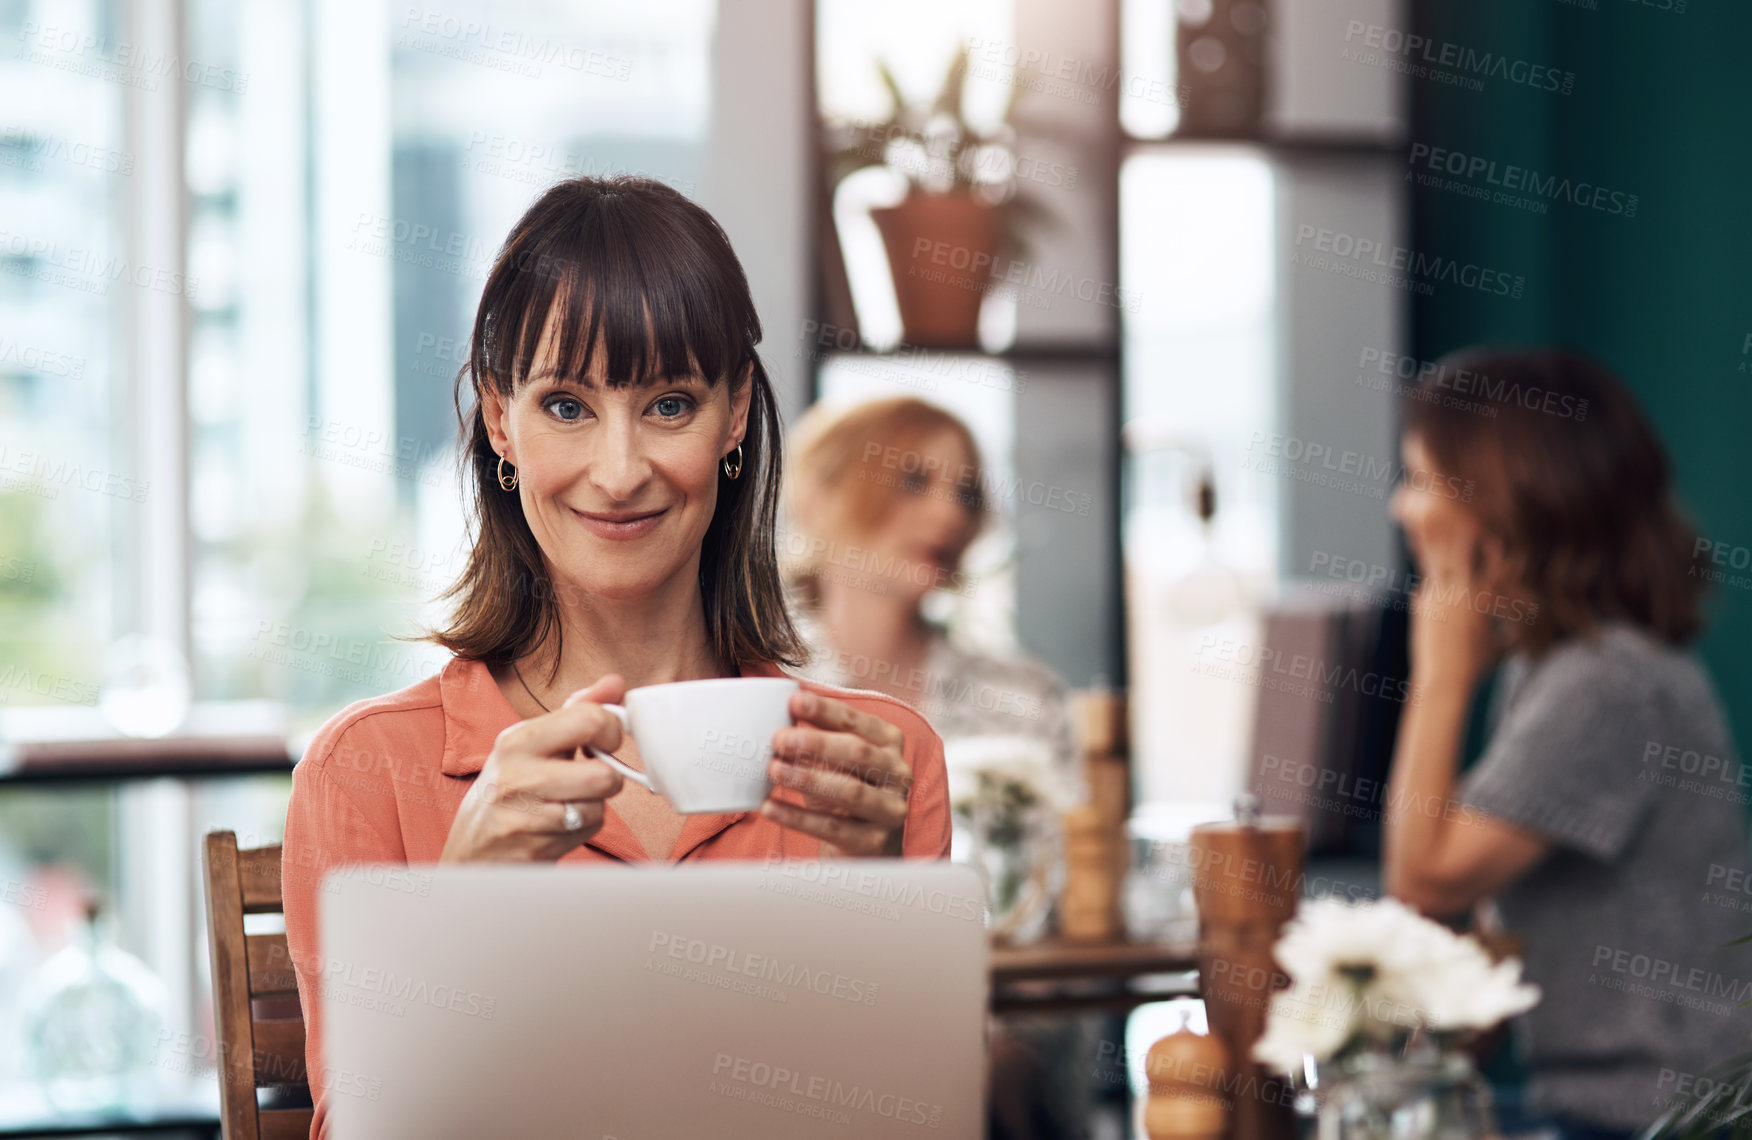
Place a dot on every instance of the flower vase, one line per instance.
(1429, 1095)
(1016, 854)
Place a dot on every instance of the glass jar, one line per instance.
(1428, 1095)
(1018, 855)
(93, 1018)
(1156, 898)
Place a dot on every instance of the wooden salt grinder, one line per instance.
(1186, 1072)
(1247, 881)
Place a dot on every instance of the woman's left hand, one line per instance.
(1452, 634)
(848, 768)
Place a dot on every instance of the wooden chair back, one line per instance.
(255, 994)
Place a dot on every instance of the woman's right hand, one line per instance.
(515, 810)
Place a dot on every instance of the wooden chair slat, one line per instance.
(286, 1123)
(258, 871)
(279, 1052)
(255, 1051)
(230, 986)
(270, 965)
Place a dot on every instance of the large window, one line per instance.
(64, 285)
(1196, 226)
(349, 224)
(241, 246)
(68, 491)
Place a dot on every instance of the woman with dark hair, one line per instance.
(1606, 808)
(622, 451)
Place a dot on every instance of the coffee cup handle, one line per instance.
(636, 777)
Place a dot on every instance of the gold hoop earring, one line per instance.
(736, 470)
(504, 483)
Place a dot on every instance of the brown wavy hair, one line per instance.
(1573, 482)
(630, 266)
(836, 487)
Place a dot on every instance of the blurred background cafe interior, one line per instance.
(1227, 313)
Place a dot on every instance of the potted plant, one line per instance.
(1006, 802)
(1717, 1103)
(963, 208)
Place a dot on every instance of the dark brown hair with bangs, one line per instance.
(631, 268)
(1573, 482)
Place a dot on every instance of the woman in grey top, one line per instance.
(1605, 816)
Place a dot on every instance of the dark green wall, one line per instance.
(1661, 107)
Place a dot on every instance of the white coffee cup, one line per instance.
(706, 744)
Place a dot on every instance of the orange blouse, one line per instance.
(382, 780)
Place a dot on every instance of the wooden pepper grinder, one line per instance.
(1098, 722)
(1096, 857)
(1089, 907)
(1186, 1072)
(1247, 882)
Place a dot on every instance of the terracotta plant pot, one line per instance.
(941, 250)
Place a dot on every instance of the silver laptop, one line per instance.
(783, 999)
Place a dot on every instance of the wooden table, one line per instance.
(1056, 976)
(168, 1123)
(127, 759)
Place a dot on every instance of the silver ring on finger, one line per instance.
(573, 819)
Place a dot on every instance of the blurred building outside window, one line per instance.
(347, 173)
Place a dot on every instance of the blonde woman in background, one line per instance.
(884, 498)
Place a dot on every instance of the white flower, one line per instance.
(1469, 991)
(1304, 1019)
(1374, 969)
(1021, 760)
(1381, 947)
